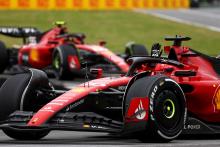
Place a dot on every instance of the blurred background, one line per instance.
(204, 3)
(120, 21)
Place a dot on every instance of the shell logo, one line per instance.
(217, 99)
(35, 120)
(78, 89)
(34, 55)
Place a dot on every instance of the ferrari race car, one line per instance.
(62, 53)
(157, 100)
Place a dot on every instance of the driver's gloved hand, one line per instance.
(156, 50)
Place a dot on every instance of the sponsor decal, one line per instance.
(43, 110)
(97, 127)
(86, 126)
(47, 109)
(72, 106)
(94, 84)
(122, 88)
(138, 109)
(34, 120)
(17, 30)
(152, 95)
(154, 92)
(78, 89)
(93, 126)
(34, 55)
(192, 127)
(140, 112)
(9, 30)
(54, 103)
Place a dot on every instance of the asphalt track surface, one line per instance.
(204, 17)
(72, 138)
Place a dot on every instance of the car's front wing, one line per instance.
(83, 121)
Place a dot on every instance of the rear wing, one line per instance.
(19, 32)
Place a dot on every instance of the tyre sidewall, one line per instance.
(11, 93)
(58, 51)
(160, 85)
(3, 57)
(17, 93)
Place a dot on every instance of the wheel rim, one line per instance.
(169, 108)
(168, 113)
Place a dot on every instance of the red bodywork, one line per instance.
(39, 55)
(77, 93)
(203, 98)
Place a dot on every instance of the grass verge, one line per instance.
(116, 27)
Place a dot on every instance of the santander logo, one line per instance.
(140, 112)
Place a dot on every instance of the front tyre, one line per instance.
(167, 107)
(19, 92)
(26, 135)
(3, 57)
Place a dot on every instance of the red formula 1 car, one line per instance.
(62, 52)
(157, 100)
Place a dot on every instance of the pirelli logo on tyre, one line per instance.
(151, 106)
(91, 4)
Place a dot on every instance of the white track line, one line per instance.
(201, 13)
(179, 20)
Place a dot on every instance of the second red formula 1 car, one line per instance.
(62, 53)
(156, 101)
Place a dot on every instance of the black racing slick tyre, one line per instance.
(26, 135)
(19, 92)
(167, 107)
(3, 57)
(61, 63)
(133, 49)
